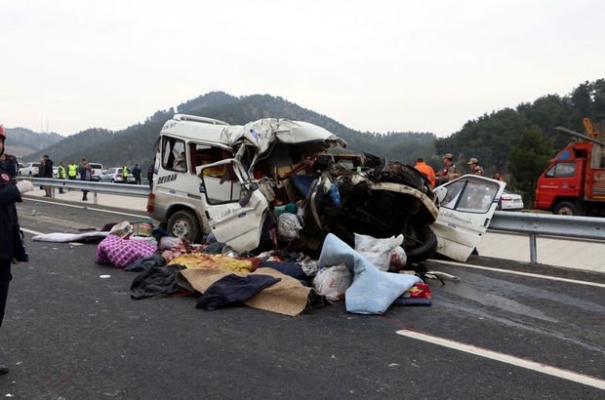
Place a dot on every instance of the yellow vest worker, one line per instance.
(72, 170)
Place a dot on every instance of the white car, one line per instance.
(114, 175)
(97, 170)
(30, 169)
(510, 201)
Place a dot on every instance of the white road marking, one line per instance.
(505, 358)
(506, 271)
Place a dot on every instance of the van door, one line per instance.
(237, 222)
(467, 205)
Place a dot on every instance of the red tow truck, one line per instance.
(574, 182)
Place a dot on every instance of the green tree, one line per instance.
(527, 161)
(490, 138)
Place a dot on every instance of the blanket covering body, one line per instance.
(372, 291)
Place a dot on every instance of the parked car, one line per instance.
(97, 171)
(30, 169)
(510, 201)
(114, 175)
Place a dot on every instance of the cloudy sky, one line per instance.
(380, 66)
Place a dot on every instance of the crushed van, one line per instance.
(237, 181)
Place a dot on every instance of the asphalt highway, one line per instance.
(505, 330)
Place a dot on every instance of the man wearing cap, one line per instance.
(474, 166)
(448, 172)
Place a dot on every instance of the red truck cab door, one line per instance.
(561, 180)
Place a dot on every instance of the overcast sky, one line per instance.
(379, 66)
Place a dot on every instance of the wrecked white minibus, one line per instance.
(234, 180)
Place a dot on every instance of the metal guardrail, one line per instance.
(531, 224)
(126, 189)
(534, 224)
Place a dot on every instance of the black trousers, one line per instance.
(5, 279)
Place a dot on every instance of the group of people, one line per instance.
(448, 172)
(72, 171)
(81, 170)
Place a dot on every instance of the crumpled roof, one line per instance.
(263, 133)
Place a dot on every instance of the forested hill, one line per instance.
(516, 141)
(135, 144)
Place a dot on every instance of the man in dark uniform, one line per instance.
(11, 242)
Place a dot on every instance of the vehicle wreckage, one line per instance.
(236, 181)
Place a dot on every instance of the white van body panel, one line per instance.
(182, 180)
(467, 205)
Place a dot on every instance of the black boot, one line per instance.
(3, 370)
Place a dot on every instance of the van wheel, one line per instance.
(420, 243)
(183, 224)
(565, 208)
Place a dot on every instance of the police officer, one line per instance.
(72, 170)
(11, 242)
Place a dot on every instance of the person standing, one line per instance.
(426, 170)
(85, 175)
(125, 173)
(72, 170)
(11, 242)
(136, 172)
(47, 172)
(449, 167)
(448, 172)
(474, 166)
(62, 175)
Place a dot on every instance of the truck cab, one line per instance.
(574, 182)
(562, 183)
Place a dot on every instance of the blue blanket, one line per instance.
(372, 291)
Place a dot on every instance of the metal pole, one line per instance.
(533, 249)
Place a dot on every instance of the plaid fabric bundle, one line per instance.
(120, 252)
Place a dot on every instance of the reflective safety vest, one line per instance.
(125, 171)
(61, 172)
(72, 170)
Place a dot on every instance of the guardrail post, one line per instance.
(95, 200)
(533, 248)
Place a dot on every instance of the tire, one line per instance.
(183, 224)
(420, 243)
(565, 208)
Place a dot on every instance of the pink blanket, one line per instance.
(122, 252)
